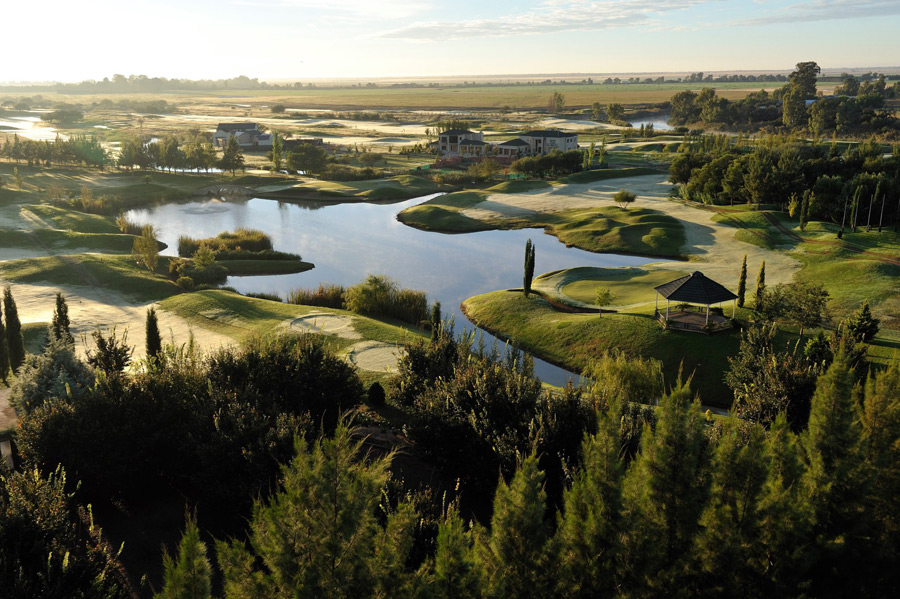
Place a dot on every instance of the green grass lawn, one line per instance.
(117, 273)
(72, 220)
(573, 340)
(629, 285)
(242, 318)
(519, 186)
(608, 173)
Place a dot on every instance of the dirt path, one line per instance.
(711, 245)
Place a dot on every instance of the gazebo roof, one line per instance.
(695, 289)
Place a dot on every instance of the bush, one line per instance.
(348, 173)
(245, 240)
(185, 283)
(376, 395)
(380, 296)
(274, 297)
(55, 374)
(325, 295)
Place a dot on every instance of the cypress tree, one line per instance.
(188, 577)
(760, 285)
(14, 339)
(742, 283)
(4, 351)
(154, 341)
(59, 329)
(455, 573)
(529, 266)
(436, 320)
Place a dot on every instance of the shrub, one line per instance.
(376, 395)
(245, 240)
(126, 226)
(55, 374)
(379, 296)
(185, 283)
(265, 296)
(325, 295)
(348, 173)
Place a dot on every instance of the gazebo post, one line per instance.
(667, 309)
(733, 308)
(707, 314)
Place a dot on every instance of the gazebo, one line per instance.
(694, 288)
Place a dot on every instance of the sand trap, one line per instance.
(326, 324)
(374, 355)
(711, 245)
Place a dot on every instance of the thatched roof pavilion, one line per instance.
(694, 288)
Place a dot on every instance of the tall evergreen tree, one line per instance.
(188, 576)
(513, 555)
(760, 285)
(861, 325)
(14, 339)
(455, 573)
(233, 156)
(529, 266)
(153, 339)
(665, 492)
(589, 529)
(742, 283)
(835, 483)
(59, 327)
(4, 350)
(319, 536)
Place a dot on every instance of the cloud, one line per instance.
(827, 10)
(361, 8)
(552, 16)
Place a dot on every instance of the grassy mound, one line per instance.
(519, 186)
(629, 285)
(609, 173)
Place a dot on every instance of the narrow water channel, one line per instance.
(347, 242)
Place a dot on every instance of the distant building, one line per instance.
(514, 148)
(248, 135)
(545, 141)
(448, 141)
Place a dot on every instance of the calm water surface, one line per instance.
(349, 241)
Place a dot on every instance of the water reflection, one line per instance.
(349, 241)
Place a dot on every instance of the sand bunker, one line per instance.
(326, 324)
(374, 355)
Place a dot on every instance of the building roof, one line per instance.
(515, 142)
(548, 133)
(236, 126)
(695, 288)
(457, 132)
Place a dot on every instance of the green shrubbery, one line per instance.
(240, 240)
(325, 295)
(377, 296)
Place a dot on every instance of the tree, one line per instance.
(794, 113)
(145, 250)
(278, 109)
(557, 103)
(112, 354)
(800, 302)
(623, 198)
(318, 536)
(4, 350)
(529, 267)
(55, 374)
(59, 328)
(617, 380)
(615, 111)
(803, 79)
(760, 285)
(862, 325)
(514, 556)
(14, 339)
(277, 146)
(153, 339)
(597, 111)
(455, 574)
(742, 283)
(307, 158)
(604, 297)
(188, 577)
(233, 156)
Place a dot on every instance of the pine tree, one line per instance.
(835, 483)
(862, 326)
(4, 351)
(233, 156)
(59, 328)
(529, 267)
(588, 531)
(742, 283)
(189, 576)
(319, 536)
(15, 341)
(153, 339)
(455, 574)
(436, 321)
(760, 285)
(513, 556)
(665, 493)
(730, 524)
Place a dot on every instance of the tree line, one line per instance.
(77, 150)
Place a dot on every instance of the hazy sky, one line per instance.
(71, 40)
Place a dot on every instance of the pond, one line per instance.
(659, 124)
(349, 241)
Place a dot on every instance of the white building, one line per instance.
(545, 141)
(248, 135)
(448, 141)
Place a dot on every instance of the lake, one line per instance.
(659, 124)
(349, 241)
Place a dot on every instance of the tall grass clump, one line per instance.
(246, 240)
(380, 296)
(325, 296)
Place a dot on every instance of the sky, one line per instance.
(74, 40)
